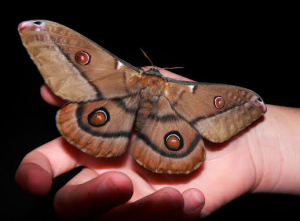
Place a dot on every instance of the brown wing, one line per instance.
(74, 67)
(218, 112)
(95, 128)
(167, 143)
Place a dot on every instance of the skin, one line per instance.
(263, 158)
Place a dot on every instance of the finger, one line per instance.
(193, 203)
(95, 196)
(164, 204)
(50, 97)
(33, 179)
(38, 167)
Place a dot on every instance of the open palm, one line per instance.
(118, 187)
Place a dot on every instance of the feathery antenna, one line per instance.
(148, 58)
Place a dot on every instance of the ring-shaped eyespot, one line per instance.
(219, 102)
(173, 141)
(99, 117)
(82, 57)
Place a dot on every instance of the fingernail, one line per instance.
(196, 202)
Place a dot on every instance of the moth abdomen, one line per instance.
(143, 113)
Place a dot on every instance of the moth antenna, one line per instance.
(170, 68)
(148, 58)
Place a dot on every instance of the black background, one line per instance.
(255, 46)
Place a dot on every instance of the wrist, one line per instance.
(276, 154)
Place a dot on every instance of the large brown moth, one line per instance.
(108, 98)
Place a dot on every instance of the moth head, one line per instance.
(153, 71)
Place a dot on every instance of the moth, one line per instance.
(108, 98)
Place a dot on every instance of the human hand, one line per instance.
(114, 188)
